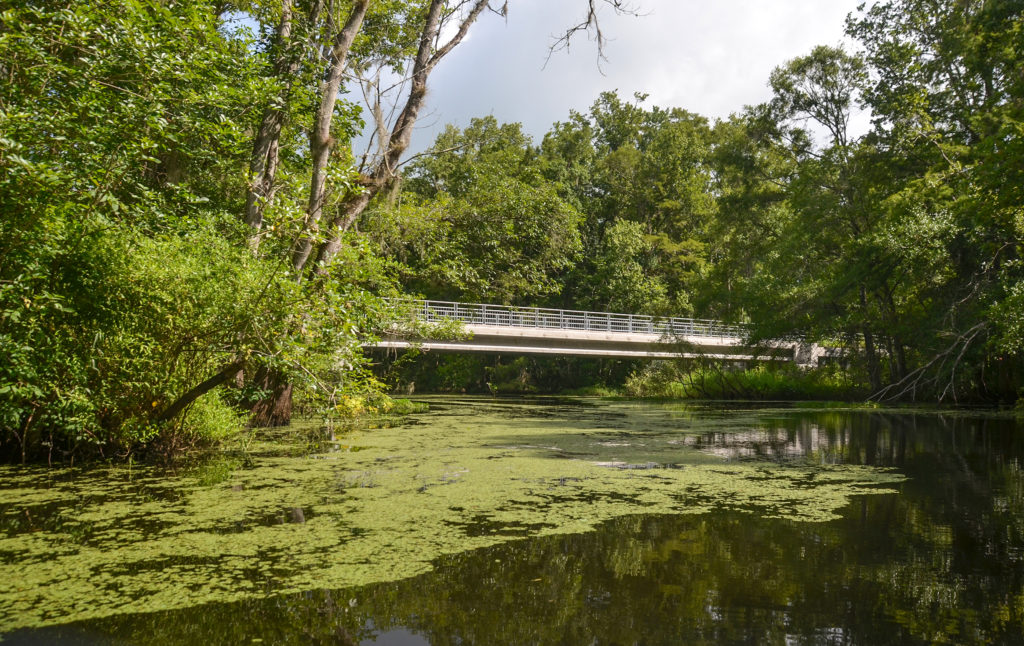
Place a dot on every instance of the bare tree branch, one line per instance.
(591, 25)
(936, 367)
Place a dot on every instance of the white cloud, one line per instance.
(708, 57)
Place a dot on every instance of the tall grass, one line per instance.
(671, 380)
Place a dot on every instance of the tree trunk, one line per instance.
(890, 347)
(267, 143)
(320, 142)
(276, 408)
(897, 354)
(870, 352)
(349, 211)
(900, 357)
(401, 133)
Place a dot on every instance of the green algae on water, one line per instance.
(466, 476)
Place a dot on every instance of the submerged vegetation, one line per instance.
(188, 241)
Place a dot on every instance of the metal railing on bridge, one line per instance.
(540, 317)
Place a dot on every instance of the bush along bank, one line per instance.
(679, 381)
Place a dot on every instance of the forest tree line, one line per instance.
(900, 243)
(188, 239)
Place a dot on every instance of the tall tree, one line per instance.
(625, 163)
(948, 104)
(441, 17)
(475, 220)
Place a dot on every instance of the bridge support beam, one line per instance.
(517, 340)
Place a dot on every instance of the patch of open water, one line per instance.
(518, 521)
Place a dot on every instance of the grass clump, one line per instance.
(211, 419)
(388, 412)
(406, 407)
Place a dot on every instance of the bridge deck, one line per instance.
(526, 330)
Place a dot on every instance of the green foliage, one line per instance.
(677, 381)
(474, 224)
(403, 406)
(512, 377)
(630, 275)
(125, 278)
(642, 181)
(902, 241)
(118, 282)
(211, 419)
(489, 374)
(110, 109)
(459, 373)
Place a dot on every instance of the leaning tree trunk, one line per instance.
(179, 405)
(320, 142)
(427, 57)
(275, 408)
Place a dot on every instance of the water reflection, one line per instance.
(720, 578)
(941, 562)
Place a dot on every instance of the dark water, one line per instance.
(850, 527)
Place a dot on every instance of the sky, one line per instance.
(707, 56)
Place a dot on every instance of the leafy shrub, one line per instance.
(126, 280)
(210, 419)
(672, 380)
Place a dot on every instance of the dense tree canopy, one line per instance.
(901, 243)
(176, 197)
(476, 223)
(185, 232)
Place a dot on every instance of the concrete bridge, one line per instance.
(500, 329)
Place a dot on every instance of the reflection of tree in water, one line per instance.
(939, 563)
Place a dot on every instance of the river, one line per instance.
(538, 521)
